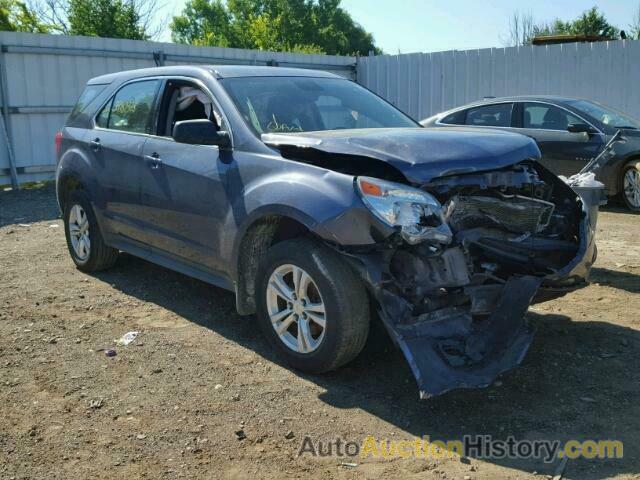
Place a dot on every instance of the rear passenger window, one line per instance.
(131, 108)
(497, 115)
(89, 94)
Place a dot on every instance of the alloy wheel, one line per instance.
(79, 232)
(632, 187)
(296, 308)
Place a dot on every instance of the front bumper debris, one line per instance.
(459, 327)
(452, 351)
(447, 349)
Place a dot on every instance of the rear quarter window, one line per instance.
(87, 96)
(455, 118)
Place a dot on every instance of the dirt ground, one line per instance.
(169, 404)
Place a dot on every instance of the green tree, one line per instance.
(557, 27)
(203, 22)
(592, 22)
(130, 19)
(105, 18)
(16, 16)
(309, 26)
(522, 28)
(634, 26)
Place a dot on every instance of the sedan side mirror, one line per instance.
(200, 132)
(580, 128)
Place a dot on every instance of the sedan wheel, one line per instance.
(296, 309)
(632, 187)
(79, 232)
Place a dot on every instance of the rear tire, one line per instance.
(327, 280)
(84, 239)
(631, 186)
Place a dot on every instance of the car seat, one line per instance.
(554, 120)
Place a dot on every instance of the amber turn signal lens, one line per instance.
(370, 189)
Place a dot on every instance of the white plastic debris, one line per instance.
(586, 179)
(127, 338)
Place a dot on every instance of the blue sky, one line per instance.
(428, 25)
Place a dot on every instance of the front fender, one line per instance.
(326, 204)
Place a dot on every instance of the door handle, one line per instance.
(95, 144)
(153, 160)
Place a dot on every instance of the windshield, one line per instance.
(302, 104)
(606, 115)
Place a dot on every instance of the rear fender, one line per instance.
(75, 163)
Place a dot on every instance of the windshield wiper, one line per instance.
(605, 155)
(625, 127)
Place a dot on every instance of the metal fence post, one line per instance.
(6, 121)
(159, 58)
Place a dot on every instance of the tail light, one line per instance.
(58, 142)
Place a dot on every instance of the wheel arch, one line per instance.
(74, 171)
(287, 206)
(260, 235)
(67, 183)
(632, 160)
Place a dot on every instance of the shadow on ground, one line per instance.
(29, 205)
(616, 205)
(616, 279)
(579, 380)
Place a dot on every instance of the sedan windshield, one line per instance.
(301, 104)
(606, 115)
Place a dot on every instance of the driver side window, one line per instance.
(542, 116)
(183, 100)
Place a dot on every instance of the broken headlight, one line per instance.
(418, 214)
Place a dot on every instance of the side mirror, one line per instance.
(580, 128)
(200, 132)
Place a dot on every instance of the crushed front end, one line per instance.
(470, 254)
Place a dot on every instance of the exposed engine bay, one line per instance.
(498, 230)
(455, 301)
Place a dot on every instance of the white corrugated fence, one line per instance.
(41, 77)
(422, 84)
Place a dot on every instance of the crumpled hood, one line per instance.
(420, 154)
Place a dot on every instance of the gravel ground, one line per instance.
(177, 402)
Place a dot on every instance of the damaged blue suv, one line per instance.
(319, 204)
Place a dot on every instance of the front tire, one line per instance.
(631, 186)
(84, 239)
(311, 306)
